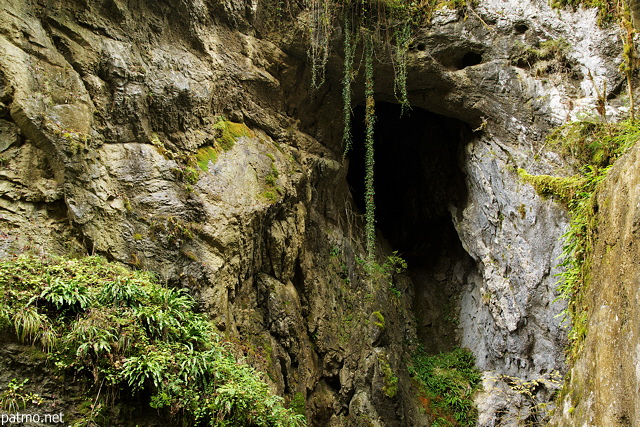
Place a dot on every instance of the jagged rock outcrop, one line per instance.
(104, 107)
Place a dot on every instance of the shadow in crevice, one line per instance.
(418, 177)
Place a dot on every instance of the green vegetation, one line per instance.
(563, 189)
(273, 191)
(394, 264)
(124, 331)
(174, 229)
(226, 135)
(229, 132)
(607, 9)
(14, 398)
(596, 146)
(594, 143)
(76, 141)
(298, 404)
(379, 322)
(390, 380)
(448, 382)
(548, 57)
(369, 120)
(204, 155)
(384, 29)
(539, 410)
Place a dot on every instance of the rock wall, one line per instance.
(603, 381)
(105, 104)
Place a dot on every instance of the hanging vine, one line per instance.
(320, 35)
(629, 63)
(369, 120)
(347, 80)
(403, 38)
(385, 30)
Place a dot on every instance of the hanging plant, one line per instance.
(369, 120)
(385, 28)
(347, 79)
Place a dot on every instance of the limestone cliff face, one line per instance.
(603, 384)
(105, 104)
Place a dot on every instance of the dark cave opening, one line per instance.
(418, 176)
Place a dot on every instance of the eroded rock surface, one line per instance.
(104, 105)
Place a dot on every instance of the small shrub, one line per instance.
(124, 330)
(66, 294)
(14, 398)
(448, 382)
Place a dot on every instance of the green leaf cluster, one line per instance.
(393, 265)
(123, 329)
(448, 382)
(14, 398)
(596, 146)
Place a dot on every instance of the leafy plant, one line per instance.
(448, 382)
(525, 398)
(393, 265)
(65, 294)
(596, 146)
(14, 398)
(132, 334)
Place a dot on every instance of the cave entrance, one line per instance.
(417, 176)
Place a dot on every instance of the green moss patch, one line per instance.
(229, 132)
(226, 135)
(205, 155)
(563, 189)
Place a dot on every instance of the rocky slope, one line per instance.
(106, 106)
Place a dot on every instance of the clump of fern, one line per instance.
(122, 329)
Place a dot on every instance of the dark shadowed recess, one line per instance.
(417, 177)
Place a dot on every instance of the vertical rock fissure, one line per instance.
(418, 177)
